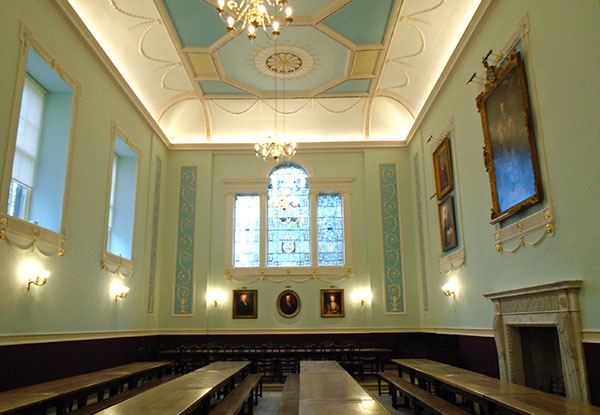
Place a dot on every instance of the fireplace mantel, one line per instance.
(548, 305)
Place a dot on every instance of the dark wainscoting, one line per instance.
(28, 364)
(479, 354)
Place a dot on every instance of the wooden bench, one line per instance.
(421, 400)
(62, 393)
(246, 392)
(290, 397)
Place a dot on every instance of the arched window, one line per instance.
(288, 218)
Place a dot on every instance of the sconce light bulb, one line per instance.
(288, 11)
(230, 21)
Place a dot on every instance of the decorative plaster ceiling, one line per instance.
(353, 70)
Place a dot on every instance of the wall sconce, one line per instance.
(450, 288)
(118, 291)
(363, 296)
(214, 296)
(36, 276)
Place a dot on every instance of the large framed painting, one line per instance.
(442, 166)
(288, 304)
(448, 224)
(510, 152)
(332, 303)
(245, 303)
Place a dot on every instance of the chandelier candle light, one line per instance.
(252, 14)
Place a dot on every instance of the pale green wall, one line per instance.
(564, 75)
(76, 298)
(210, 244)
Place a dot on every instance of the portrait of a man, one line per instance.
(288, 304)
(244, 303)
(332, 303)
(442, 165)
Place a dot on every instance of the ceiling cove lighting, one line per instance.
(251, 15)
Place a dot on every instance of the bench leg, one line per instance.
(394, 396)
(81, 402)
(379, 385)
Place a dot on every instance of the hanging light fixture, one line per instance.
(254, 14)
(274, 148)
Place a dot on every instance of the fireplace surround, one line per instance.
(549, 305)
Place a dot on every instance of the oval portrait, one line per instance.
(288, 303)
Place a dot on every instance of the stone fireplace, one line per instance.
(553, 306)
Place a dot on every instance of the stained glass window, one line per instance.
(288, 218)
(330, 229)
(246, 247)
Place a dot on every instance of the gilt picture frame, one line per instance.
(288, 304)
(245, 303)
(447, 220)
(442, 166)
(510, 149)
(332, 303)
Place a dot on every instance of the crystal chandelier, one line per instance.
(275, 150)
(253, 14)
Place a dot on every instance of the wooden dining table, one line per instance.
(59, 392)
(494, 396)
(183, 395)
(325, 387)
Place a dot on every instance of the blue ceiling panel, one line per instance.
(352, 86)
(329, 59)
(308, 8)
(218, 87)
(364, 22)
(196, 22)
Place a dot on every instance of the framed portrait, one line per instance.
(332, 303)
(442, 165)
(448, 224)
(510, 152)
(244, 303)
(288, 304)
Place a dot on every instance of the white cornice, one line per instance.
(463, 47)
(64, 9)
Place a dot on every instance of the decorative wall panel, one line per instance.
(421, 234)
(154, 246)
(392, 244)
(184, 268)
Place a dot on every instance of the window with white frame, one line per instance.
(36, 190)
(121, 200)
(290, 221)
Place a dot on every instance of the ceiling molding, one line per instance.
(484, 11)
(81, 32)
(315, 147)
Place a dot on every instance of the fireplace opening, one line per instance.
(541, 359)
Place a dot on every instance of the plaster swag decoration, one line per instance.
(549, 305)
(514, 237)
